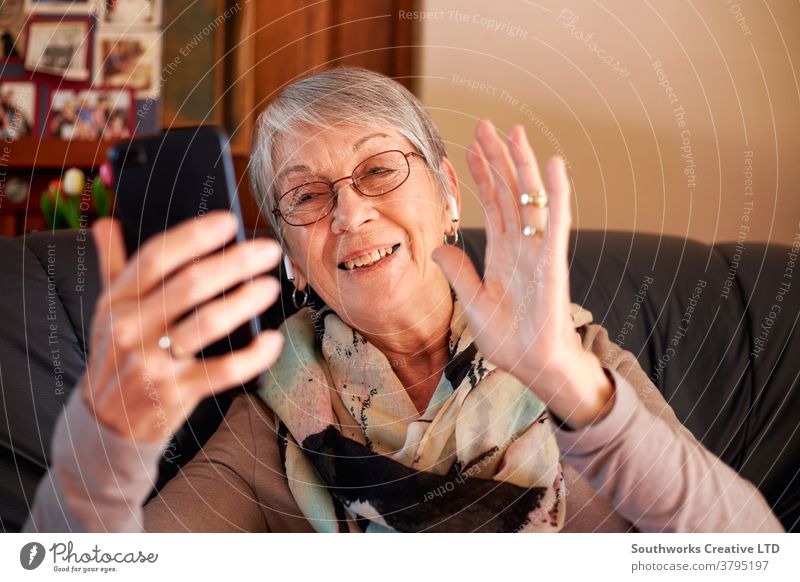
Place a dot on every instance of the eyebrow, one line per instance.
(363, 140)
(291, 170)
(304, 168)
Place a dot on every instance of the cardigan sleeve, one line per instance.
(651, 467)
(99, 480)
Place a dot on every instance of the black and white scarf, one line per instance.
(360, 457)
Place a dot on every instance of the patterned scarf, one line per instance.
(480, 458)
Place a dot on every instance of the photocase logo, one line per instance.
(31, 555)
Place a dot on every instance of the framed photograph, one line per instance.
(60, 6)
(90, 114)
(130, 12)
(12, 29)
(60, 47)
(17, 110)
(128, 59)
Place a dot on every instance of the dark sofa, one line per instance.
(714, 326)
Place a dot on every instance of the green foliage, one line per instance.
(61, 211)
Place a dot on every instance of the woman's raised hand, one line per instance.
(132, 384)
(519, 313)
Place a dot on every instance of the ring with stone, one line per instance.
(529, 230)
(538, 199)
(165, 343)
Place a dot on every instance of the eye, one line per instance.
(310, 193)
(377, 170)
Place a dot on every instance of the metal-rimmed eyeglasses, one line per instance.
(377, 175)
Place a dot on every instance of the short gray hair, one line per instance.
(340, 95)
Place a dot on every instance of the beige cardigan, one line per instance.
(636, 469)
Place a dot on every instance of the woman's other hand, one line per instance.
(519, 313)
(137, 387)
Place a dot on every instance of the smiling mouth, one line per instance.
(368, 259)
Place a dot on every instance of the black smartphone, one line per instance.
(177, 175)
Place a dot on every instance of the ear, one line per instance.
(454, 197)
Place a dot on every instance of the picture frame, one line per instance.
(97, 113)
(60, 6)
(60, 46)
(124, 58)
(130, 13)
(18, 110)
(12, 30)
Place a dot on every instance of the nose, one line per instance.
(352, 210)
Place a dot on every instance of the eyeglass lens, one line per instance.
(375, 176)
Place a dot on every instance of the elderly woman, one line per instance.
(413, 395)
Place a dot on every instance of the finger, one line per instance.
(525, 159)
(557, 277)
(107, 235)
(560, 213)
(479, 168)
(503, 174)
(219, 373)
(459, 272)
(206, 278)
(166, 252)
(529, 178)
(219, 318)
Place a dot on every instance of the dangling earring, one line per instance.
(453, 219)
(287, 267)
(302, 302)
(451, 241)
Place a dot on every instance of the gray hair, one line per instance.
(342, 95)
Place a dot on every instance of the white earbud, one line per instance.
(287, 266)
(453, 207)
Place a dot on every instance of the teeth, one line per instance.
(367, 258)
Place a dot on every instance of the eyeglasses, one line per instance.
(377, 175)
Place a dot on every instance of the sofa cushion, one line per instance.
(41, 356)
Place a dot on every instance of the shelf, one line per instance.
(53, 154)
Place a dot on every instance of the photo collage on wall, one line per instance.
(79, 69)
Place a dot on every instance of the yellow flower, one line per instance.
(73, 182)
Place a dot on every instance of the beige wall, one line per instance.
(730, 65)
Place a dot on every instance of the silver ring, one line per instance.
(529, 230)
(165, 343)
(539, 199)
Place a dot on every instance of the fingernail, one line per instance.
(272, 339)
(267, 249)
(231, 223)
(265, 288)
